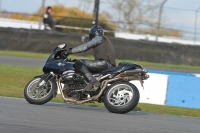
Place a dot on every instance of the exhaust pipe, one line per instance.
(72, 100)
(136, 71)
(127, 75)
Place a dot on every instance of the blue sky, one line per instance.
(179, 14)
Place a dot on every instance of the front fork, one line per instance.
(44, 79)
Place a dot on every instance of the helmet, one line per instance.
(95, 31)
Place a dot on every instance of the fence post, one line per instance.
(195, 27)
(118, 25)
(0, 4)
(41, 14)
(159, 19)
(96, 13)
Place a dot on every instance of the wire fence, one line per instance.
(170, 17)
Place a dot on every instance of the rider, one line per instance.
(103, 52)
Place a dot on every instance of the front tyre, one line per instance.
(41, 95)
(121, 97)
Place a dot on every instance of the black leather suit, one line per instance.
(103, 53)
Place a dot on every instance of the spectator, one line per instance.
(48, 20)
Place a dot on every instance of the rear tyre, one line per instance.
(41, 95)
(121, 97)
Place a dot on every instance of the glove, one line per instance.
(65, 54)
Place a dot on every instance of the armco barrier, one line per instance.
(155, 89)
(183, 89)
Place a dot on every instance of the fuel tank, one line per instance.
(58, 66)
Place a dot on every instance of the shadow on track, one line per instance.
(92, 108)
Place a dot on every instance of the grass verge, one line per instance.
(14, 78)
(147, 64)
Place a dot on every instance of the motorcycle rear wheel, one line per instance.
(40, 95)
(121, 97)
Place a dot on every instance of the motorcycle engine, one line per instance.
(67, 76)
(74, 84)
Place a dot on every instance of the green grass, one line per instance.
(14, 78)
(145, 64)
(24, 54)
(34, 55)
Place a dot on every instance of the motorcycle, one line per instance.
(115, 91)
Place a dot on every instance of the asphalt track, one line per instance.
(17, 116)
(23, 61)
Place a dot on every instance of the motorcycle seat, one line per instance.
(121, 67)
(110, 69)
(106, 71)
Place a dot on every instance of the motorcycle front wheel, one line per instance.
(39, 95)
(121, 97)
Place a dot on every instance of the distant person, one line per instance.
(47, 19)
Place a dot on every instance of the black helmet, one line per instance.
(95, 31)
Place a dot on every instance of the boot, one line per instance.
(93, 83)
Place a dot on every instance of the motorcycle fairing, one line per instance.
(58, 66)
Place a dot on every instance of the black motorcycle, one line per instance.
(117, 93)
